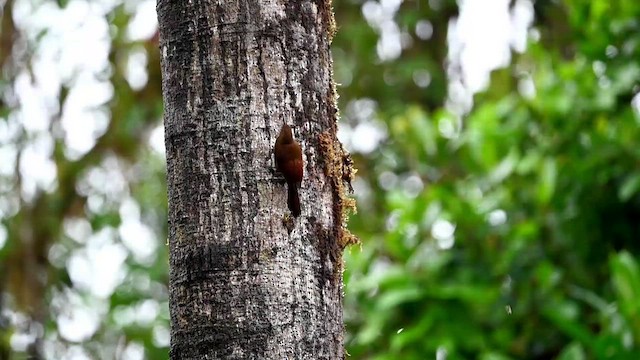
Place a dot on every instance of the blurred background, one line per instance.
(498, 187)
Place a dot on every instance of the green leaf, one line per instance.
(629, 187)
(547, 180)
(626, 280)
(572, 352)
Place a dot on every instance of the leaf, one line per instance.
(505, 167)
(629, 187)
(398, 296)
(572, 352)
(565, 317)
(547, 180)
(626, 280)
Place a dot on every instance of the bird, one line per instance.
(288, 155)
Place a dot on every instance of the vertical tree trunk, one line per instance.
(248, 281)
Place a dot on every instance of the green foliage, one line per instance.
(543, 190)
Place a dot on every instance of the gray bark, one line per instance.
(248, 281)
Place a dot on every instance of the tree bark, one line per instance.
(247, 280)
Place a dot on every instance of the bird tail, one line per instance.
(294, 200)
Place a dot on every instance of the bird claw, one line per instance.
(277, 176)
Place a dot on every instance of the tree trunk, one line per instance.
(247, 280)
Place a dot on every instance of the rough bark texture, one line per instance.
(247, 281)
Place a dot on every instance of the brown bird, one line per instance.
(289, 162)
